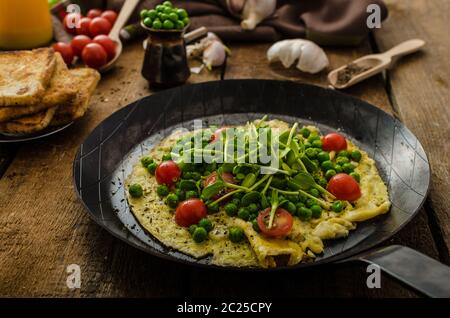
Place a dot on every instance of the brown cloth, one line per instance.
(326, 22)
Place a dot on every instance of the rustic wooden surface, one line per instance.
(44, 228)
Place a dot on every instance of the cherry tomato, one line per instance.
(108, 44)
(94, 55)
(226, 176)
(99, 26)
(110, 15)
(344, 187)
(78, 43)
(167, 173)
(70, 22)
(84, 26)
(94, 13)
(282, 222)
(65, 50)
(334, 141)
(190, 212)
(217, 134)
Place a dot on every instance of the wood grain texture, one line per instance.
(420, 91)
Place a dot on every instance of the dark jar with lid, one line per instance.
(165, 62)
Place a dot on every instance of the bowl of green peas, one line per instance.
(165, 17)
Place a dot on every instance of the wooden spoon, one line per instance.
(125, 13)
(370, 65)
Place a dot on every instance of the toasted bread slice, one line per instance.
(29, 124)
(25, 75)
(60, 92)
(86, 80)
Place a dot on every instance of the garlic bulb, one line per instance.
(253, 11)
(211, 50)
(311, 58)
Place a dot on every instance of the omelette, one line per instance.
(239, 215)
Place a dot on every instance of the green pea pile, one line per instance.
(165, 16)
(200, 231)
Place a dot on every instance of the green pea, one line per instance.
(255, 225)
(316, 211)
(305, 132)
(162, 190)
(327, 165)
(322, 182)
(167, 157)
(304, 213)
(302, 197)
(182, 13)
(236, 201)
(148, 22)
(231, 209)
(180, 194)
(317, 144)
(199, 235)
(159, 8)
(310, 202)
(152, 13)
(311, 153)
(314, 192)
(206, 224)
(186, 21)
(355, 176)
(348, 168)
(313, 137)
(323, 156)
(167, 4)
(135, 190)
(290, 206)
(236, 234)
(213, 207)
(157, 25)
(342, 160)
(298, 206)
(238, 195)
(191, 194)
(356, 155)
(172, 200)
(337, 206)
(152, 168)
(167, 10)
(243, 213)
(164, 17)
(192, 228)
(338, 168)
(179, 25)
(343, 153)
(330, 174)
(143, 14)
(293, 198)
(253, 208)
(173, 16)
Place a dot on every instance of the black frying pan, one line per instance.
(106, 157)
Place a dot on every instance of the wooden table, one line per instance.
(44, 228)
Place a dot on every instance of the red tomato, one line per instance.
(334, 141)
(110, 15)
(99, 26)
(65, 50)
(226, 176)
(167, 172)
(108, 44)
(282, 222)
(71, 21)
(344, 187)
(94, 13)
(190, 212)
(218, 133)
(94, 55)
(78, 43)
(84, 26)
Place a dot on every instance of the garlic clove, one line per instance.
(313, 59)
(214, 54)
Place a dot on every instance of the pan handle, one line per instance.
(415, 269)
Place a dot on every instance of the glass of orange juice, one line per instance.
(24, 24)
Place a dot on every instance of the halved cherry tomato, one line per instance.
(344, 187)
(167, 173)
(94, 13)
(282, 222)
(70, 22)
(110, 15)
(94, 55)
(334, 141)
(226, 176)
(108, 44)
(218, 133)
(78, 43)
(65, 50)
(190, 212)
(99, 26)
(84, 26)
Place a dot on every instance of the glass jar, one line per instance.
(24, 24)
(165, 62)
